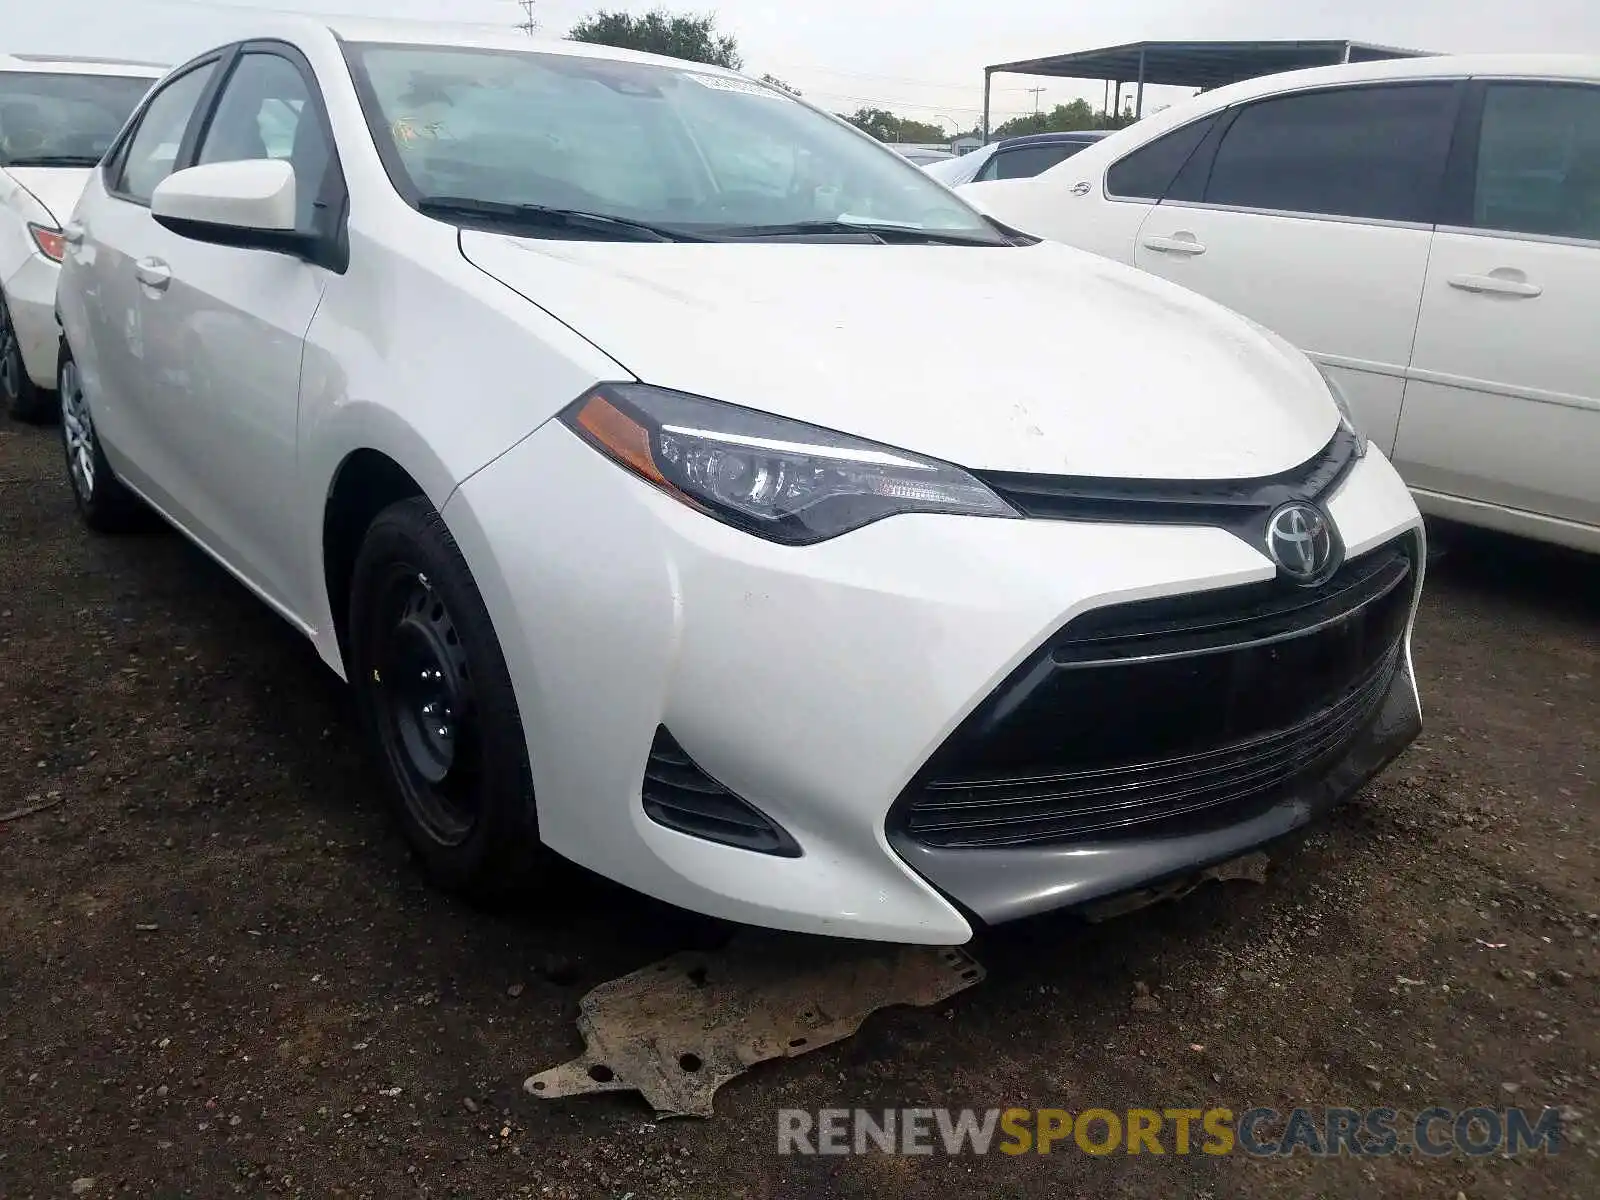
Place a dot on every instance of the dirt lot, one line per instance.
(217, 965)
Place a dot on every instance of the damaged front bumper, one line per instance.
(1107, 876)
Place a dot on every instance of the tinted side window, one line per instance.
(1148, 172)
(266, 111)
(1539, 160)
(1027, 161)
(153, 148)
(1369, 152)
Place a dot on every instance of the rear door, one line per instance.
(105, 313)
(1312, 212)
(1503, 402)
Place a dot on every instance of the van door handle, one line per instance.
(72, 233)
(1180, 244)
(1497, 285)
(153, 273)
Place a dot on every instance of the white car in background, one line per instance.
(1427, 229)
(604, 478)
(1018, 157)
(921, 155)
(57, 117)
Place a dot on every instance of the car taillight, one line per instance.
(50, 242)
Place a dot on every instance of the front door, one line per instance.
(1503, 403)
(227, 363)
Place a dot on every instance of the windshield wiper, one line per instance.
(887, 231)
(541, 216)
(53, 160)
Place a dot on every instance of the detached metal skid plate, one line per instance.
(679, 1029)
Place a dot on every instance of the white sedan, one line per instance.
(1427, 229)
(57, 117)
(606, 483)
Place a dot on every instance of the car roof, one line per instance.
(1054, 138)
(66, 64)
(296, 27)
(1435, 66)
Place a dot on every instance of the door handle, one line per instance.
(1181, 244)
(72, 233)
(153, 273)
(1497, 285)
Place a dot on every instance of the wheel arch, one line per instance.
(366, 482)
(369, 459)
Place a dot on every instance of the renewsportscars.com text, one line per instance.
(1257, 1132)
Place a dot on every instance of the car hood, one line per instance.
(57, 188)
(1038, 358)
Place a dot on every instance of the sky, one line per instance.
(919, 58)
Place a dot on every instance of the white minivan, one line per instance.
(1427, 229)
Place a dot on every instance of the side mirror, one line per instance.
(249, 204)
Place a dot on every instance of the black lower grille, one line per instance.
(1143, 718)
(679, 795)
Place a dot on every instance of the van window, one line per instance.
(1539, 160)
(1375, 153)
(1148, 172)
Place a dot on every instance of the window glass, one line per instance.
(1148, 172)
(63, 120)
(1539, 160)
(1368, 152)
(670, 145)
(1027, 161)
(154, 145)
(265, 111)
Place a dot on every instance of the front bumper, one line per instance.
(1003, 885)
(31, 298)
(816, 682)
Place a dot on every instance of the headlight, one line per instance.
(782, 480)
(1346, 417)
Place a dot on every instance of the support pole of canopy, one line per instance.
(988, 79)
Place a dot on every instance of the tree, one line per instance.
(1060, 119)
(678, 35)
(528, 25)
(887, 127)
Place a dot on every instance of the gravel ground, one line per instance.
(220, 974)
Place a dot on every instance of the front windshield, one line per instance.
(679, 148)
(50, 119)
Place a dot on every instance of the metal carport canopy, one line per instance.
(1190, 64)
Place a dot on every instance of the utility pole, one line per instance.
(1036, 92)
(528, 25)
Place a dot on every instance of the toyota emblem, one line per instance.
(1300, 540)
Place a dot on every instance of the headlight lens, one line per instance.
(1346, 417)
(782, 480)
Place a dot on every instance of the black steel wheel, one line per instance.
(438, 706)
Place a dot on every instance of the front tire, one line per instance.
(22, 399)
(105, 505)
(439, 710)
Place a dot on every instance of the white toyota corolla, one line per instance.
(562, 397)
